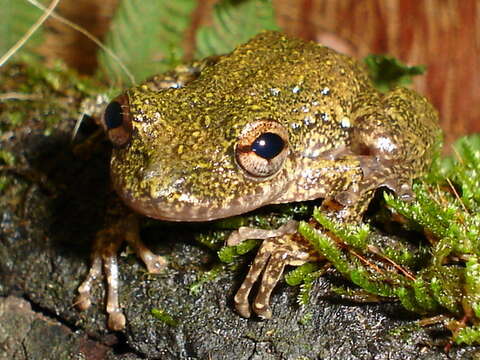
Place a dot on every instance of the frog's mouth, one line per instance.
(198, 212)
(190, 209)
(187, 213)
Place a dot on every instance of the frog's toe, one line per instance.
(241, 304)
(271, 259)
(154, 263)
(273, 271)
(83, 302)
(116, 321)
(263, 310)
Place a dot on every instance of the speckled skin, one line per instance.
(344, 140)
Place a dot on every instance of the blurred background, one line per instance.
(444, 35)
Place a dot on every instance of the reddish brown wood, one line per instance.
(442, 34)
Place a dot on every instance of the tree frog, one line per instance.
(277, 120)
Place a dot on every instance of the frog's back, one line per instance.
(305, 86)
(276, 60)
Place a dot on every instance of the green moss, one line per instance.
(468, 335)
(354, 235)
(423, 295)
(212, 239)
(472, 285)
(162, 315)
(229, 254)
(205, 277)
(444, 283)
(43, 99)
(298, 275)
(441, 275)
(7, 158)
(305, 319)
(405, 331)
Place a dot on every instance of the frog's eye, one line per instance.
(262, 148)
(117, 122)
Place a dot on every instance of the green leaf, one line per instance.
(147, 36)
(234, 22)
(16, 17)
(388, 72)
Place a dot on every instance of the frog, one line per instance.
(277, 120)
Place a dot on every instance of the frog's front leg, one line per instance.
(105, 249)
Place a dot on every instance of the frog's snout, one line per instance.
(117, 122)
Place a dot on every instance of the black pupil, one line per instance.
(113, 115)
(268, 145)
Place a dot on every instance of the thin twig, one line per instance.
(47, 12)
(366, 262)
(377, 252)
(90, 37)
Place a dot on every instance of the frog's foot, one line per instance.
(108, 258)
(106, 245)
(272, 257)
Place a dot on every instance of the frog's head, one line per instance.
(175, 161)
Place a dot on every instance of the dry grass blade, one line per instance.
(90, 37)
(457, 195)
(47, 12)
